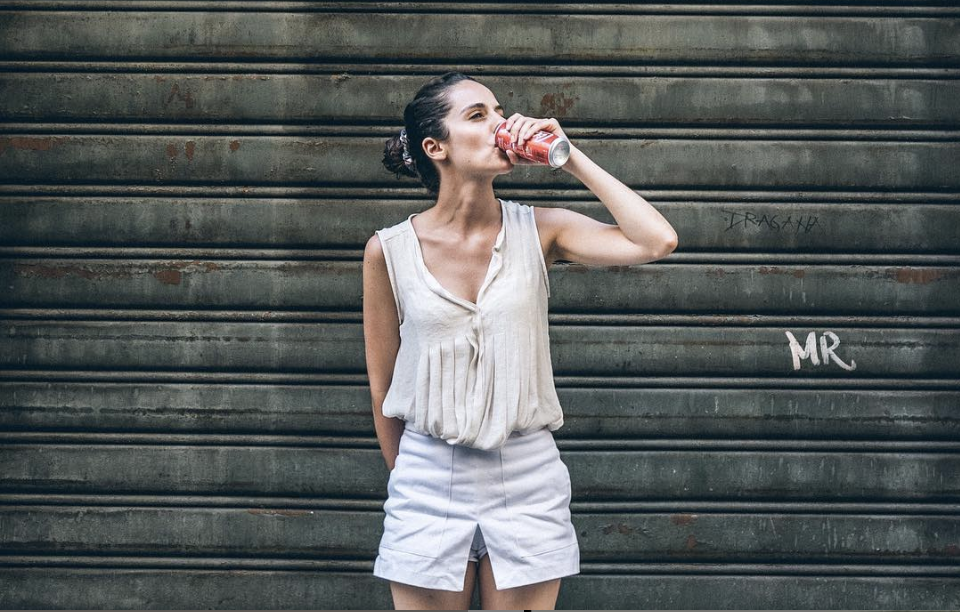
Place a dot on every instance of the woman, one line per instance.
(465, 406)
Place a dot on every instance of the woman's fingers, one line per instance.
(521, 128)
(516, 160)
(518, 124)
(512, 119)
(532, 128)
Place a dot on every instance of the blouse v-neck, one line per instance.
(492, 267)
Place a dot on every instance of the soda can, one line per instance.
(543, 147)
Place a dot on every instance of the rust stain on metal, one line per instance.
(683, 519)
(556, 105)
(776, 270)
(234, 145)
(187, 98)
(27, 143)
(173, 274)
(190, 148)
(691, 542)
(168, 277)
(159, 79)
(620, 528)
(265, 512)
(920, 276)
(171, 151)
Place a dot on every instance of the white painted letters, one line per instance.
(809, 350)
(828, 354)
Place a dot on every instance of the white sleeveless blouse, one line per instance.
(468, 373)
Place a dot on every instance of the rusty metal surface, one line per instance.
(623, 39)
(850, 290)
(698, 410)
(265, 227)
(348, 161)
(862, 100)
(586, 350)
(616, 538)
(767, 419)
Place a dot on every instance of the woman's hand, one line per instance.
(522, 128)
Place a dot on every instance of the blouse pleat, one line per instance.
(468, 373)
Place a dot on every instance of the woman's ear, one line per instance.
(434, 148)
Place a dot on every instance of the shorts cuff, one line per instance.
(545, 566)
(413, 569)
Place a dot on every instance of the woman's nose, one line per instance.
(493, 130)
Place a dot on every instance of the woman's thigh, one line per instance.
(409, 597)
(537, 596)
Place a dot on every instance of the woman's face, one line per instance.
(470, 147)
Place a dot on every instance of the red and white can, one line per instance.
(543, 147)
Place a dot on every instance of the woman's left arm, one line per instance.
(641, 234)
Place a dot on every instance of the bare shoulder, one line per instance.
(374, 260)
(373, 251)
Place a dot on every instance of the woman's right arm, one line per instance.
(381, 336)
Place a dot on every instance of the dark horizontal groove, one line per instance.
(593, 129)
(841, 568)
(259, 377)
(280, 504)
(556, 319)
(259, 253)
(343, 69)
(532, 64)
(447, 8)
(532, 194)
(818, 446)
(888, 133)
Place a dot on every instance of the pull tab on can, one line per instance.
(543, 147)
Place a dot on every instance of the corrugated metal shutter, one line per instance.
(187, 188)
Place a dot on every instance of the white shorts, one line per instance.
(450, 504)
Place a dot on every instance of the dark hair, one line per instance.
(423, 118)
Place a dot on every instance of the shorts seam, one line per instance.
(547, 552)
(407, 552)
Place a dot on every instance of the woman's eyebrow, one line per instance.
(479, 105)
